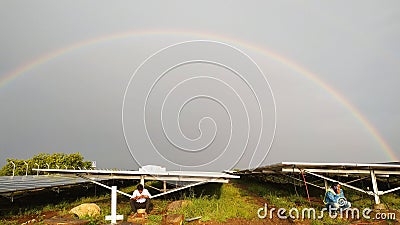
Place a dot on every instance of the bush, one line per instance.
(60, 159)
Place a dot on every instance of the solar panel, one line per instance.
(24, 183)
(324, 170)
(149, 172)
(392, 168)
(142, 172)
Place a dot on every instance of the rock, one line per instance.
(379, 206)
(141, 211)
(172, 219)
(29, 222)
(173, 206)
(136, 220)
(87, 209)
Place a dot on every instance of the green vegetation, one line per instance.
(230, 204)
(57, 159)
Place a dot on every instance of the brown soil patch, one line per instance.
(40, 217)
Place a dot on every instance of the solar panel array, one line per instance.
(201, 174)
(10, 184)
(392, 168)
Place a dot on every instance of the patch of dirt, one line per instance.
(58, 221)
(49, 217)
(40, 217)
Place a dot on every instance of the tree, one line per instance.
(44, 160)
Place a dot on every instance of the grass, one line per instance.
(276, 195)
(230, 204)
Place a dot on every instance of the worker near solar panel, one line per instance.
(140, 201)
(334, 198)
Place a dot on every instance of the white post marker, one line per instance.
(375, 187)
(114, 217)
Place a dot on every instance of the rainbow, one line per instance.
(23, 69)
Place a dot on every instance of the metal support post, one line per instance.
(142, 180)
(375, 187)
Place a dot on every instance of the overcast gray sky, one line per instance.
(65, 66)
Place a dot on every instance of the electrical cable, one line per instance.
(305, 183)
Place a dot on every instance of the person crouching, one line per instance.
(140, 200)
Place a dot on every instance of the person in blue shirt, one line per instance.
(334, 198)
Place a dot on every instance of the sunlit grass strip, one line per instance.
(230, 204)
